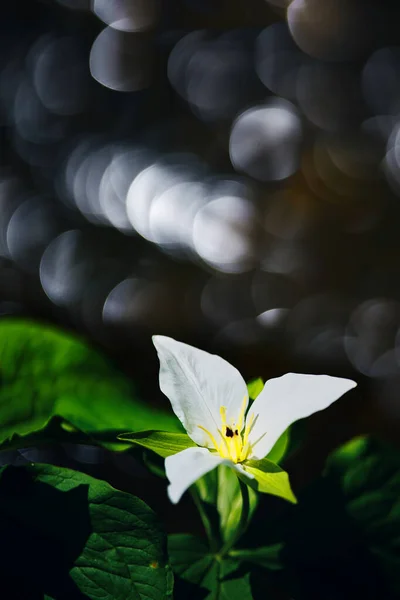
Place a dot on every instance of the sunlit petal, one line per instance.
(198, 384)
(184, 468)
(286, 399)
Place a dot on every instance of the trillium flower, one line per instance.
(210, 398)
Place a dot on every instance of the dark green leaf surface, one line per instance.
(71, 536)
(266, 556)
(229, 501)
(279, 451)
(342, 538)
(191, 561)
(368, 473)
(162, 443)
(45, 372)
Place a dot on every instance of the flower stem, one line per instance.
(204, 518)
(243, 522)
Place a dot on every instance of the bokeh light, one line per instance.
(264, 141)
(121, 61)
(127, 15)
(238, 184)
(325, 30)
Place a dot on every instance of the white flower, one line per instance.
(210, 398)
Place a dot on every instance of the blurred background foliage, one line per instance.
(224, 172)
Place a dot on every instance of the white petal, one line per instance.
(242, 471)
(198, 384)
(286, 399)
(186, 467)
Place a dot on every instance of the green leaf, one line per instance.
(349, 453)
(220, 488)
(161, 442)
(155, 464)
(57, 431)
(46, 373)
(269, 478)
(189, 557)
(345, 528)
(254, 387)
(279, 451)
(192, 562)
(268, 557)
(81, 538)
(229, 501)
(368, 474)
(207, 486)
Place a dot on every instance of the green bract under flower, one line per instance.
(210, 398)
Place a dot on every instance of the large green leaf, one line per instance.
(207, 486)
(368, 474)
(280, 449)
(67, 535)
(192, 562)
(162, 443)
(342, 539)
(45, 372)
(269, 478)
(268, 557)
(220, 490)
(229, 501)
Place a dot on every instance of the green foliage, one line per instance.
(161, 442)
(269, 478)
(342, 538)
(220, 489)
(215, 578)
(281, 447)
(207, 486)
(229, 502)
(368, 474)
(68, 535)
(268, 557)
(254, 387)
(47, 373)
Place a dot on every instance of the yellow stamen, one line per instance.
(214, 441)
(234, 453)
(224, 443)
(238, 446)
(234, 444)
(249, 425)
(260, 438)
(224, 449)
(245, 444)
(240, 422)
(222, 411)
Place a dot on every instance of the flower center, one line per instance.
(233, 441)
